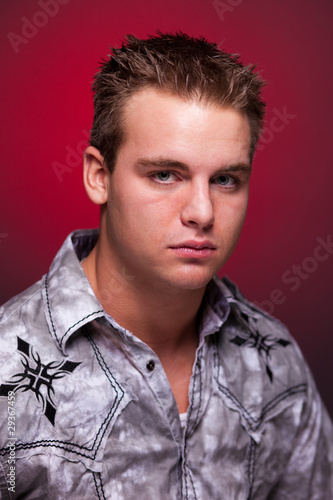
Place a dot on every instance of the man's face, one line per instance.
(178, 195)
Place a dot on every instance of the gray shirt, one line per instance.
(87, 410)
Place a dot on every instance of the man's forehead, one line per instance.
(154, 101)
(156, 117)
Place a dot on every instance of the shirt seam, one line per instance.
(96, 485)
(49, 310)
(251, 467)
(253, 422)
(187, 470)
(65, 445)
(60, 341)
(80, 321)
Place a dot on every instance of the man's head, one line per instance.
(176, 122)
(190, 68)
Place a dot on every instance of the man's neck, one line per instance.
(164, 318)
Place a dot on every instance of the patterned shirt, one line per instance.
(88, 412)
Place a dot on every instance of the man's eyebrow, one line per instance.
(162, 163)
(169, 163)
(239, 167)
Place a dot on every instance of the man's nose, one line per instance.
(198, 210)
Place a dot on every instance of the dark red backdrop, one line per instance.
(49, 53)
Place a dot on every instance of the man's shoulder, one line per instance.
(22, 323)
(261, 372)
(61, 296)
(263, 343)
(247, 307)
(23, 302)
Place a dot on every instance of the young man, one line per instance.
(131, 370)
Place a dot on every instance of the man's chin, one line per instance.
(189, 282)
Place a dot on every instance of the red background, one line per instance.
(46, 104)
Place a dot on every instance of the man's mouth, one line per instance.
(194, 249)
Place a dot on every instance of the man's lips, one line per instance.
(194, 249)
(197, 245)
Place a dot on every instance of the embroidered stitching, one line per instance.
(96, 485)
(49, 309)
(100, 478)
(253, 422)
(253, 339)
(38, 378)
(80, 321)
(200, 399)
(66, 445)
(95, 348)
(191, 479)
(251, 467)
(51, 319)
(188, 433)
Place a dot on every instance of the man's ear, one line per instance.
(95, 176)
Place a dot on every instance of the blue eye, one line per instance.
(163, 176)
(225, 180)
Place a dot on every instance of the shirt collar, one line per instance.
(70, 302)
(215, 307)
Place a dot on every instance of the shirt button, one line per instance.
(150, 365)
